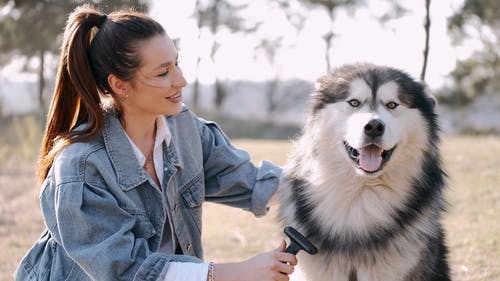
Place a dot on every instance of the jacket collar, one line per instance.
(128, 171)
(171, 149)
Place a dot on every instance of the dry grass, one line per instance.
(472, 222)
(472, 226)
(20, 218)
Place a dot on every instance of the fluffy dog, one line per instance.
(366, 179)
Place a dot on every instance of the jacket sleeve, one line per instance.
(230, 176)
(100, 236)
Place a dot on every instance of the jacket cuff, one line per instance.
(154, 268)
(266, 185)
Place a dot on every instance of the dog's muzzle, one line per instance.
(369, 158)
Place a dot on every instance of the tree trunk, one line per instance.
(220, 94)
(272, 103)
(219, 91)
(427, 25)
(196, 93)
(328, 43)
(196, 86)
(328, 39)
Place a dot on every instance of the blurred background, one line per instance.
(251, 65)
(256, 61)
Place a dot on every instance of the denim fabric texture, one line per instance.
(104, 219)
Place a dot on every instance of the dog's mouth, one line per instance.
(370, 158)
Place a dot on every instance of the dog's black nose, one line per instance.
(375, 128)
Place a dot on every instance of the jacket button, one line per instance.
(176, 207)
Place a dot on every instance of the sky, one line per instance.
(359, 37)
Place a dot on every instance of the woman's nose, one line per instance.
(179, 80)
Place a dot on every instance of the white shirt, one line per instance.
(177, 271)
(162, 134)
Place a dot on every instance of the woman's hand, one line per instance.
(275, 265)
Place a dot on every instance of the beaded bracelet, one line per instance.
(210, 272)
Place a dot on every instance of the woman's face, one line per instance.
(157, 85)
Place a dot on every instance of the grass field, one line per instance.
(472, 223)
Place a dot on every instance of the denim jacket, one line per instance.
(104, 219)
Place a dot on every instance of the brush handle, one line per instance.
(293, 248)
(298, 242)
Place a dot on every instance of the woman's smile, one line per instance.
(175, 98)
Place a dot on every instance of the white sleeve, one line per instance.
(186, 271)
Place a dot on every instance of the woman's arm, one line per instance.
(230, 176)
(272, 265)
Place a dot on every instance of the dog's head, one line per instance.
(374, 114)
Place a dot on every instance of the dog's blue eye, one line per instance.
(392, 105)
(354, 103)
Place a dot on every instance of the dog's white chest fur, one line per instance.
(330, 272)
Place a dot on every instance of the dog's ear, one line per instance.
(321, 84)
(331, 84)
(433, 100)
(428, 95)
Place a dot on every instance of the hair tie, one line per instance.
(101, 20)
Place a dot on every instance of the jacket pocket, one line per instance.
(193, 195)
(143, 228)
(193, 192)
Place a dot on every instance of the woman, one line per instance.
(125, 166)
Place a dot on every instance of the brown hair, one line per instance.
(87, 59)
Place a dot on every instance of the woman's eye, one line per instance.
(354, 103)
(163, 73)
(392, 105)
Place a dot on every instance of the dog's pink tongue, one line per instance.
(370, 158)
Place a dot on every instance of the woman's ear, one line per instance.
(118, 86)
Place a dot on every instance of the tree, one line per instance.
(270, 44)
(427, 27)
(214, 15)
(196, 85)
(330, 7)
(477, 20)
(270, 47)
(32, 29)
(396, 11)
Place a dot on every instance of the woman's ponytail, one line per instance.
(75, 99)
